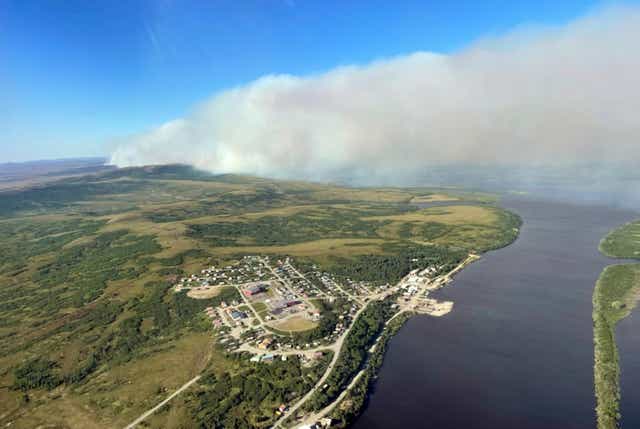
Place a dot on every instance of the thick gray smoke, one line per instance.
(537, 96)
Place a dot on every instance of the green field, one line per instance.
(615, 296)
(91, 334)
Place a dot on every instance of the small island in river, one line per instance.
(615, 295)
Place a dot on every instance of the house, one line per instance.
(265, 343)
(267, 358)
(237, 315)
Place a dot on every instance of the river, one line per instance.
(517, 350)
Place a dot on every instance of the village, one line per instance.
(276, 301)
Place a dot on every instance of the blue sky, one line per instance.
(76, 74)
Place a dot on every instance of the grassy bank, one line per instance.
(615, 295)
(354, 402)
(353, 354)
(623, 242)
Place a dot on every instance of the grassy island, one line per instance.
(615, 295)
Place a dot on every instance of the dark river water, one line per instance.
(628, 339)
(517, 350)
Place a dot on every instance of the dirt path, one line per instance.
(161, 404)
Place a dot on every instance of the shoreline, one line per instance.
(615, 296)
(608, 311)
(352, 399)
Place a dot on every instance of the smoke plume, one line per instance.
(544, 95)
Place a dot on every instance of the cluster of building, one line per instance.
(248, 269)
(214, 316)
(272, 294)
(299, 283)
(254, 290)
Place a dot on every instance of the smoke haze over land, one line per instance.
(536, 96)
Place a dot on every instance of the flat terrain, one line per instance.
(93, 332)
(433, 198)
(295, 324)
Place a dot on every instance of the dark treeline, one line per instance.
(247, 396)
(282, 230)
(170, 317)
(354, 352)
(400, 260)
(350, 407)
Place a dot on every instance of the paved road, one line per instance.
(353, 297)
(299, 274)
(336, 347)
(287, 285)
(161, 404)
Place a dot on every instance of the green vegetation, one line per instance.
(396, 262)
(246, 395)
(349, 408)
(354, 353)
(623, 242)
(282, 230)
(615, 295)
(91, 331)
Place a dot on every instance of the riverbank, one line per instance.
(614, 297)
(474, 365)
(350, 407)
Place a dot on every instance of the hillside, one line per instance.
(91, 334)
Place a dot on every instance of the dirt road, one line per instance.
(161, 404)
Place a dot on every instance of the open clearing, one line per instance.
(338, 246)
(205, 293)
(295, 324)
(448, 215)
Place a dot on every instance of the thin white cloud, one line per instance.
(546, 95)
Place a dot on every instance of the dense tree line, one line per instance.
(282, 230)
(364, 332)
(60, 195)
(85, 269)
(397, 262)
(247, 397)
(351, 406)
(171, 314)
(22, 240)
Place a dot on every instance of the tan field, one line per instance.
(447, 215)
(295, 324)
(205, 293)
(433, 198)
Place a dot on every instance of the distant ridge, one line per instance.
(15, 175)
